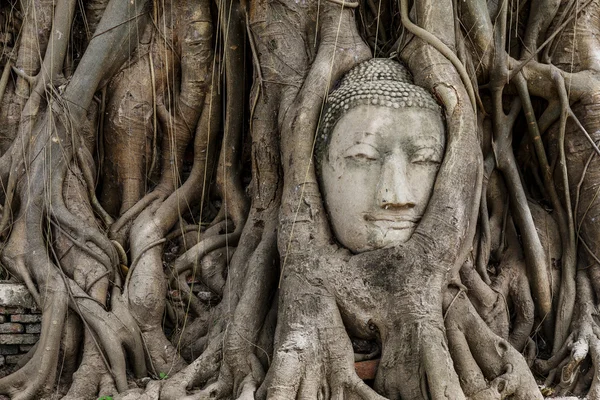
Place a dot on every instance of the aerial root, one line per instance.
(341, 384)
(186, 295)
(191, 257)
(210, 271)
(91, 379)
(115, 333)
(86, 164)
(567, 366)
(130, 215)
(252, 381)
(9, 194)
(83, 233)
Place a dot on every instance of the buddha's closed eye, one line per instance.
(426, 156)
(362, 152)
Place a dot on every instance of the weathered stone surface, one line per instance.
(2, 361)
(15, 295)
(11, 327)
(26, 318)
(33, 328)
(7, 349)
(21, 338)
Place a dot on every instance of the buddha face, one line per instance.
(378, 173)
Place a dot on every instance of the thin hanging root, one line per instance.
(344, 3)
(483, 251)
(139, 256)
(565, 217)
(9, 194)
(4, 78)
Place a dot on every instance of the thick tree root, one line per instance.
(568, 364)
(92, 379)
(315, 363)
(201, 370)
(480, 356)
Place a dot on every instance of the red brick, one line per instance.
(33, 328)
(6, 349)
(366, 369)
(11, 327)
(13, 359)
(21, 338)
(24, 348)
(11, 310)
(26, 318)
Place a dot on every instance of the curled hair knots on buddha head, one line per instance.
(379, 82)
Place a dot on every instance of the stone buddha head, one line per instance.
(379, 147)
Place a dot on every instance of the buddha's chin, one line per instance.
(380, 239)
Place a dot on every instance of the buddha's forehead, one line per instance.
(388, 127)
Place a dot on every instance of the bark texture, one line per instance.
(160, 201)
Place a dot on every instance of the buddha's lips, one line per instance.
(393, 221)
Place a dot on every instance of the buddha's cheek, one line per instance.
(349, 195)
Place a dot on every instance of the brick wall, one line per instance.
(20, 322)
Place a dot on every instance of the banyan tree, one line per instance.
(250, 199)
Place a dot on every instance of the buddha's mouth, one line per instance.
(395, 222)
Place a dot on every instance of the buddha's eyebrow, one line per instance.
(426, 143)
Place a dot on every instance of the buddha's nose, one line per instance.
(394, 190)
